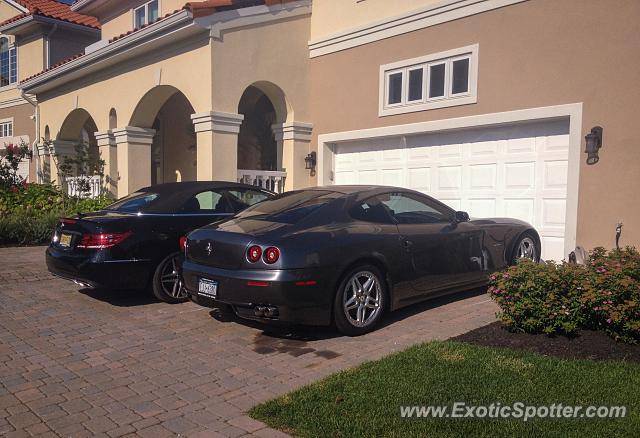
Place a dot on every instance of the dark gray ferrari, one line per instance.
(346, 255)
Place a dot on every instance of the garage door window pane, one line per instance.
(460, 83)
(395, 88)
(436, 80)
(415, 84)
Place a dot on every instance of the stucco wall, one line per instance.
(335, 16)
(121, 20)
(30, 57)
(64, 44)
(7, 11)
(276, 53)
(532, 54)
(123, 87)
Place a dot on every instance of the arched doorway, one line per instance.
(76, 142)
(167, 110)
(257, 146)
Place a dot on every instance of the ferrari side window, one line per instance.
(371, 210)
(407, 208)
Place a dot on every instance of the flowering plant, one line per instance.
(551, 298)
(10, 159)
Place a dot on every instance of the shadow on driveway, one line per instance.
(122, 298)
(302, 334)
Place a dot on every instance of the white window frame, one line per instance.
(12, 46)
(146, 12)
(9, 123)
(425, 62)
(387, 89)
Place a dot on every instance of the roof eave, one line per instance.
(23, 24)
(54, 77)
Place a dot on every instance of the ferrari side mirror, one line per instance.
(461, 216)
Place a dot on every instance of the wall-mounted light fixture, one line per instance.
(594, 143)
(310, 162)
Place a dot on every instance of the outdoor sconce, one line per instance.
(594, 143)
(310, 162)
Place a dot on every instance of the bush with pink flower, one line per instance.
(552, 298)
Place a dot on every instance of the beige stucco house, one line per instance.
(176, 92)
(34, 34)
(484, 104)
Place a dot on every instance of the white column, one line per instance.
(293, 140)
(217, 137)
(107, 149)
(133, 151)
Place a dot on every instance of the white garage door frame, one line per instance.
(327, 145)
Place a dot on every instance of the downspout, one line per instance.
(47, 63)
(47, 46)
(34, 146)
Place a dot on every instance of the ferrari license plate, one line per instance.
(65, 240)
(208, 288)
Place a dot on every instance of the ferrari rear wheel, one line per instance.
(360, 301)
(167, 281)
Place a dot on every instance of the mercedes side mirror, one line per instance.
(461, 216)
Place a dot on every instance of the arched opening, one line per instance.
(77, 141)
(173, 151)
(113, 119)
(47, 134)
(257, 147)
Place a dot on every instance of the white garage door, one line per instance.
(517, 171)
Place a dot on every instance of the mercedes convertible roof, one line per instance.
(195, 186)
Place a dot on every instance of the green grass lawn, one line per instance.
(366, 401)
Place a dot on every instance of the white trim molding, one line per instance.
(220, 22)
(328, 142)
(298, 131)
(133, 134)
(437, 13)
(105, 138)
(217, 121)
(18, 6)
(64, 147)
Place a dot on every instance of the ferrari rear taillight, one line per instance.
(103, 240)
(254, 253)
(271, 255)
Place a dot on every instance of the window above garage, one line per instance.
(434, 81)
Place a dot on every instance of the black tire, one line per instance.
(526, 237)
(347, 325)
(160, 281)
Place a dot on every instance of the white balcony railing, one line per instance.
(267, 179)
(84, 186)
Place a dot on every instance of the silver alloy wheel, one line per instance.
(171, 281)
(362, 299)
(527, 249)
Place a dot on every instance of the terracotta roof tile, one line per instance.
(56, 10)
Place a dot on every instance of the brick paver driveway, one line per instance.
(86, 363)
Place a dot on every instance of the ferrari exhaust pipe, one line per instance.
(270, 312)
(259, 311)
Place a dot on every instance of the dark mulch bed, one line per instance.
(585, 345)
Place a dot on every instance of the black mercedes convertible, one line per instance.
(346, 255)
(134, 243)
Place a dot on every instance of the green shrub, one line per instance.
(29, 212)
(563, 298)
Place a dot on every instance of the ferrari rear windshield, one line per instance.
(290, 207)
